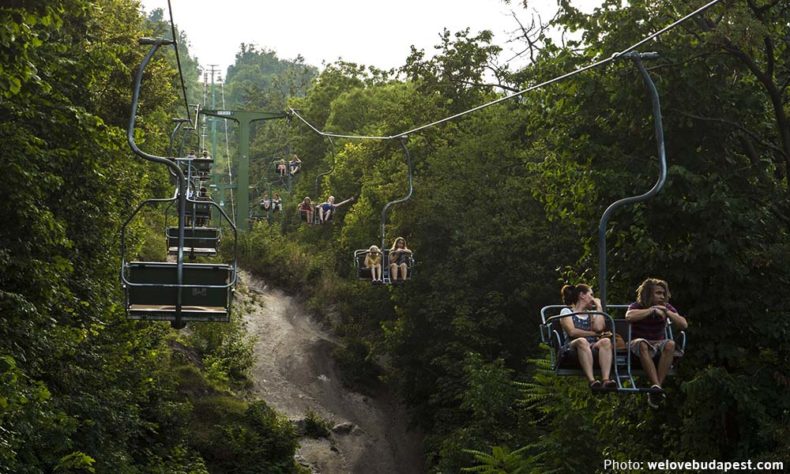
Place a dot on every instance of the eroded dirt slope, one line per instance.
(295, 373)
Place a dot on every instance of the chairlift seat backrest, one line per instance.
(197, 240)
(200, 209)
(206, 298)
(203, 165)
(198, 165)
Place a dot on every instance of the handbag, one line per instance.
(619, 342)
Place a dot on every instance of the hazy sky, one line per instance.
(369, 32)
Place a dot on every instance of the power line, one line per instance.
(521, 92)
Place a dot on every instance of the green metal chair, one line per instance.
(153, 292)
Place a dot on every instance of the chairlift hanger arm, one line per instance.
(405, 149)
(320, 175)
(662, 175)
(155, 45)
(172, 165)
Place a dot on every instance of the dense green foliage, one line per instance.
(505, 209)
(81, 388)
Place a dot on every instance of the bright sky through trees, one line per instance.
(362, 31)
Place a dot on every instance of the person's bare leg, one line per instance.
(667, 354)
(585, 357)
(647, 363)
(605, 356)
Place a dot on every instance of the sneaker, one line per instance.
(655, 396)
(652, 399)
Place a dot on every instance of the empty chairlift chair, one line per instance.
(153, 293)
(177, 291)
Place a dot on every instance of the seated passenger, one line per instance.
(266, 202)
(205, 155)
(306, 210)
(649, 317)
(277, 202)
(373, 262)
(191, 155)
(295, 164)
(282, 169)
(326, 210)
(202, 221)
(399, 258)
(583, 333)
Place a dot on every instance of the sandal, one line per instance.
(609, 384)
(595, 385)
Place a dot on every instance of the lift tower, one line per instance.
(244, 119)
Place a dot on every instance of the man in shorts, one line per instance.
(649, 317)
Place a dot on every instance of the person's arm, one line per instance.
(572, 331)
(676, 318)
(598, 323)
(344, 202)
(633, 315)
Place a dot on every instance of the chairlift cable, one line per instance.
(521, 92)
(178, 61)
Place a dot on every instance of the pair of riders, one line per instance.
(326, 210)
(399, 257)
(292, 167)
(648, 316)
(275, 203)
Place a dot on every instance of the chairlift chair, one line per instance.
(363, 273)
(198, 241)
(625, 364)
(175, 291)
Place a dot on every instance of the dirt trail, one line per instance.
(295, 373)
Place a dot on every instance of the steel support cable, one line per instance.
(178, 62)
(521, 92)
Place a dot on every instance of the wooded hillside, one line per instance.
(505, 210)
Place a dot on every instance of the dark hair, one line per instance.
(570, 293)
(645, 291)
